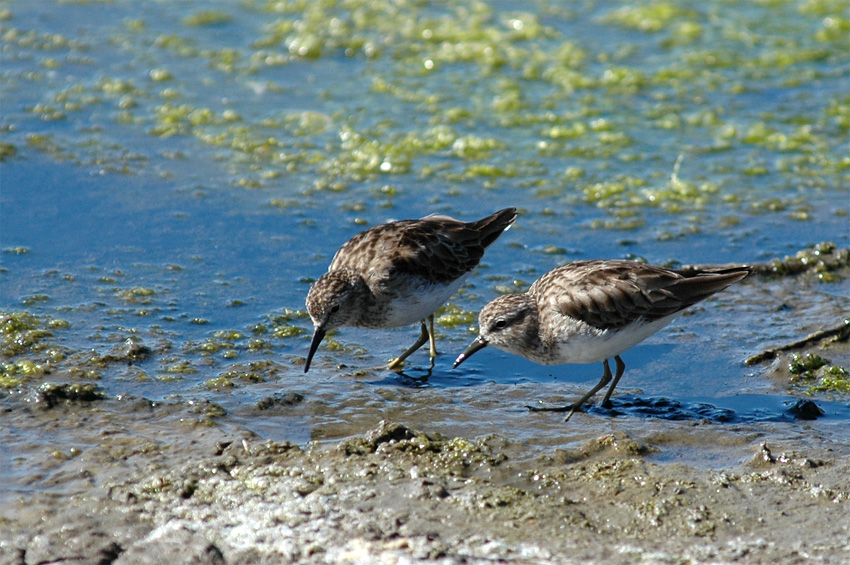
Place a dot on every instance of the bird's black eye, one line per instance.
(500, 324)
(334, 308)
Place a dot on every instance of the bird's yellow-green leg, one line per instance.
(432, 339)
(423, 337)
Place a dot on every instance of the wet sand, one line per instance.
(93, 478)
(397, 494)
(130, 481)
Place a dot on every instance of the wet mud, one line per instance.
(91, 477)
(218, 494)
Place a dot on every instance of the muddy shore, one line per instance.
(209, 494)
(94, 478)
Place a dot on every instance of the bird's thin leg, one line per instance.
(432, 338)
(576, 406)
(423, 337)
(606, 378)
(606, 402)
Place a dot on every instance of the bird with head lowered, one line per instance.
(399, 273)
(591, 311)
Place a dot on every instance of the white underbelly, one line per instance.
(591, 345)
(413, 305)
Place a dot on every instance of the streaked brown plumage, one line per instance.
(590, 311)
(399, 273)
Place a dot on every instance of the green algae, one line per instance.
(23, 332)
(7, 151)
(34, 299)
(824, 259)
(252, 373)
(204, 413)
(512, 286)
(833, 379)
(338, 346)
(281, 325)
(452, 316)
(822, 378)
(81, 372)
(183, 367)
(650, 17)
(229, 335)
(804, 365)
(15, 374)
(218, 383)
(815, 374)
(204, 18)
(459, 46)
(287, 331)
(452, 457)
(209, 346)
(280, 399)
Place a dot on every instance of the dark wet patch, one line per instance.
(388, 431)
(408, 379)
(665, 409)
(131, 350)
(669, 409)
(50, 395)
(806, 410)
(283, 399)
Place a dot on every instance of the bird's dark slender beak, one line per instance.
(479, 343)
(318, 336)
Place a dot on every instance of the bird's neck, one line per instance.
(534, 333)
(368, 307)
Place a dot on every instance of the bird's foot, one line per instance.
(397, 365)
(569, 408)
(550, 408)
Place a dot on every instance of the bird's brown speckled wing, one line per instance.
(437, 249)
(614, 294)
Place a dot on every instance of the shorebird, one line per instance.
(399, 273)
(591, 311)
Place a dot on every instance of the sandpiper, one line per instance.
(590, 311)
(399, 273)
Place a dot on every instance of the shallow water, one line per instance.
(179, 173)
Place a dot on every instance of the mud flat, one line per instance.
(162, 482)
(94, 477)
